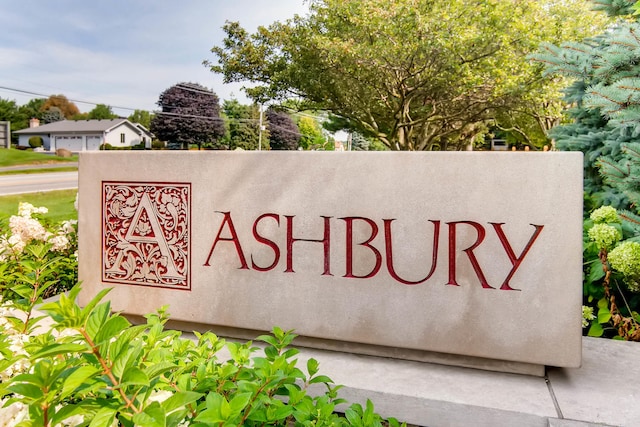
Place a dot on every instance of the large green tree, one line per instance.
(311, 136)
(141, 116)
(243, 123)
(8, 110)
(101, 111)
(190, 114)
(417, 75)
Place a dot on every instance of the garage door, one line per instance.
(93, 142)
(71, 143)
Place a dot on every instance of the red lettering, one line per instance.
(469, 251)
(366, 243)
(515, 261)
(265, 241)
(325, 242)
(234, 238)
(389, 250)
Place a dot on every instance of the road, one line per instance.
(32, 183)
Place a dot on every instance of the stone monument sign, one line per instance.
(466, 253)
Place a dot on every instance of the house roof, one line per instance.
(65, 126)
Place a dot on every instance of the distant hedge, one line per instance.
(35, 141)
(108, 147)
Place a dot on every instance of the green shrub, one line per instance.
(90, 366)
(106, 146)
(157, 145)
(29, 243)
(35, 141)
(612, 274)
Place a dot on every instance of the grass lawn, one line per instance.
(59, 203)
(13, 157)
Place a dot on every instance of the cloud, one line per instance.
(122, 53)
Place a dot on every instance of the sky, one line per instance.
(122, 53)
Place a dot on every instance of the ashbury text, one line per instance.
(282, 235)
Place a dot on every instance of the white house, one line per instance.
(85, 135)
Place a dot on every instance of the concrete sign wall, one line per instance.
(475, 254)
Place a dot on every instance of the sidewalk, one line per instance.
(603, 392)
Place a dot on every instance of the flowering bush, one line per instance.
(93, 366)
(605, 215)
(604, 235)
(26, 237)
(612, 275)
(625, 258)
(87, 366)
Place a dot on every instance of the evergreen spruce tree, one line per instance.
(606, 127)
(606, 98)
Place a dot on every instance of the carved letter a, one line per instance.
(157, 235)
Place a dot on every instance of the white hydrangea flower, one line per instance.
(12, 414)
(68, 227)
(59, 243)
(587, 315)
(160, 396)
(27, 209)
(41, 210)
(27, 228)
(5, 248)
(16, 243)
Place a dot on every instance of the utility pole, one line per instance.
(260, 131)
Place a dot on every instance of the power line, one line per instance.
(181, 86)
(41, 95)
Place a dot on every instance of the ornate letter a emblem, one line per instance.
(146, 233)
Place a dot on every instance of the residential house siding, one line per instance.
(86, 135)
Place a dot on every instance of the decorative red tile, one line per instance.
(146, 233)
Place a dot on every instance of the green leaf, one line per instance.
(312, 367)
(353, 415)
(134, 376)
(604, 315)
(27, 390)
(368, 414)
(321, 379)
(213, 412)
(77, 378)
(94, 301)
(595, 330)
(239, 402)
(126, 359)
(179, 400)
(268, 339)
(103, 418)
(57, 349)
(158, 369)
(97, 318)
(596, 272)
(152, 416)
(117, 348)
(111, 328)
